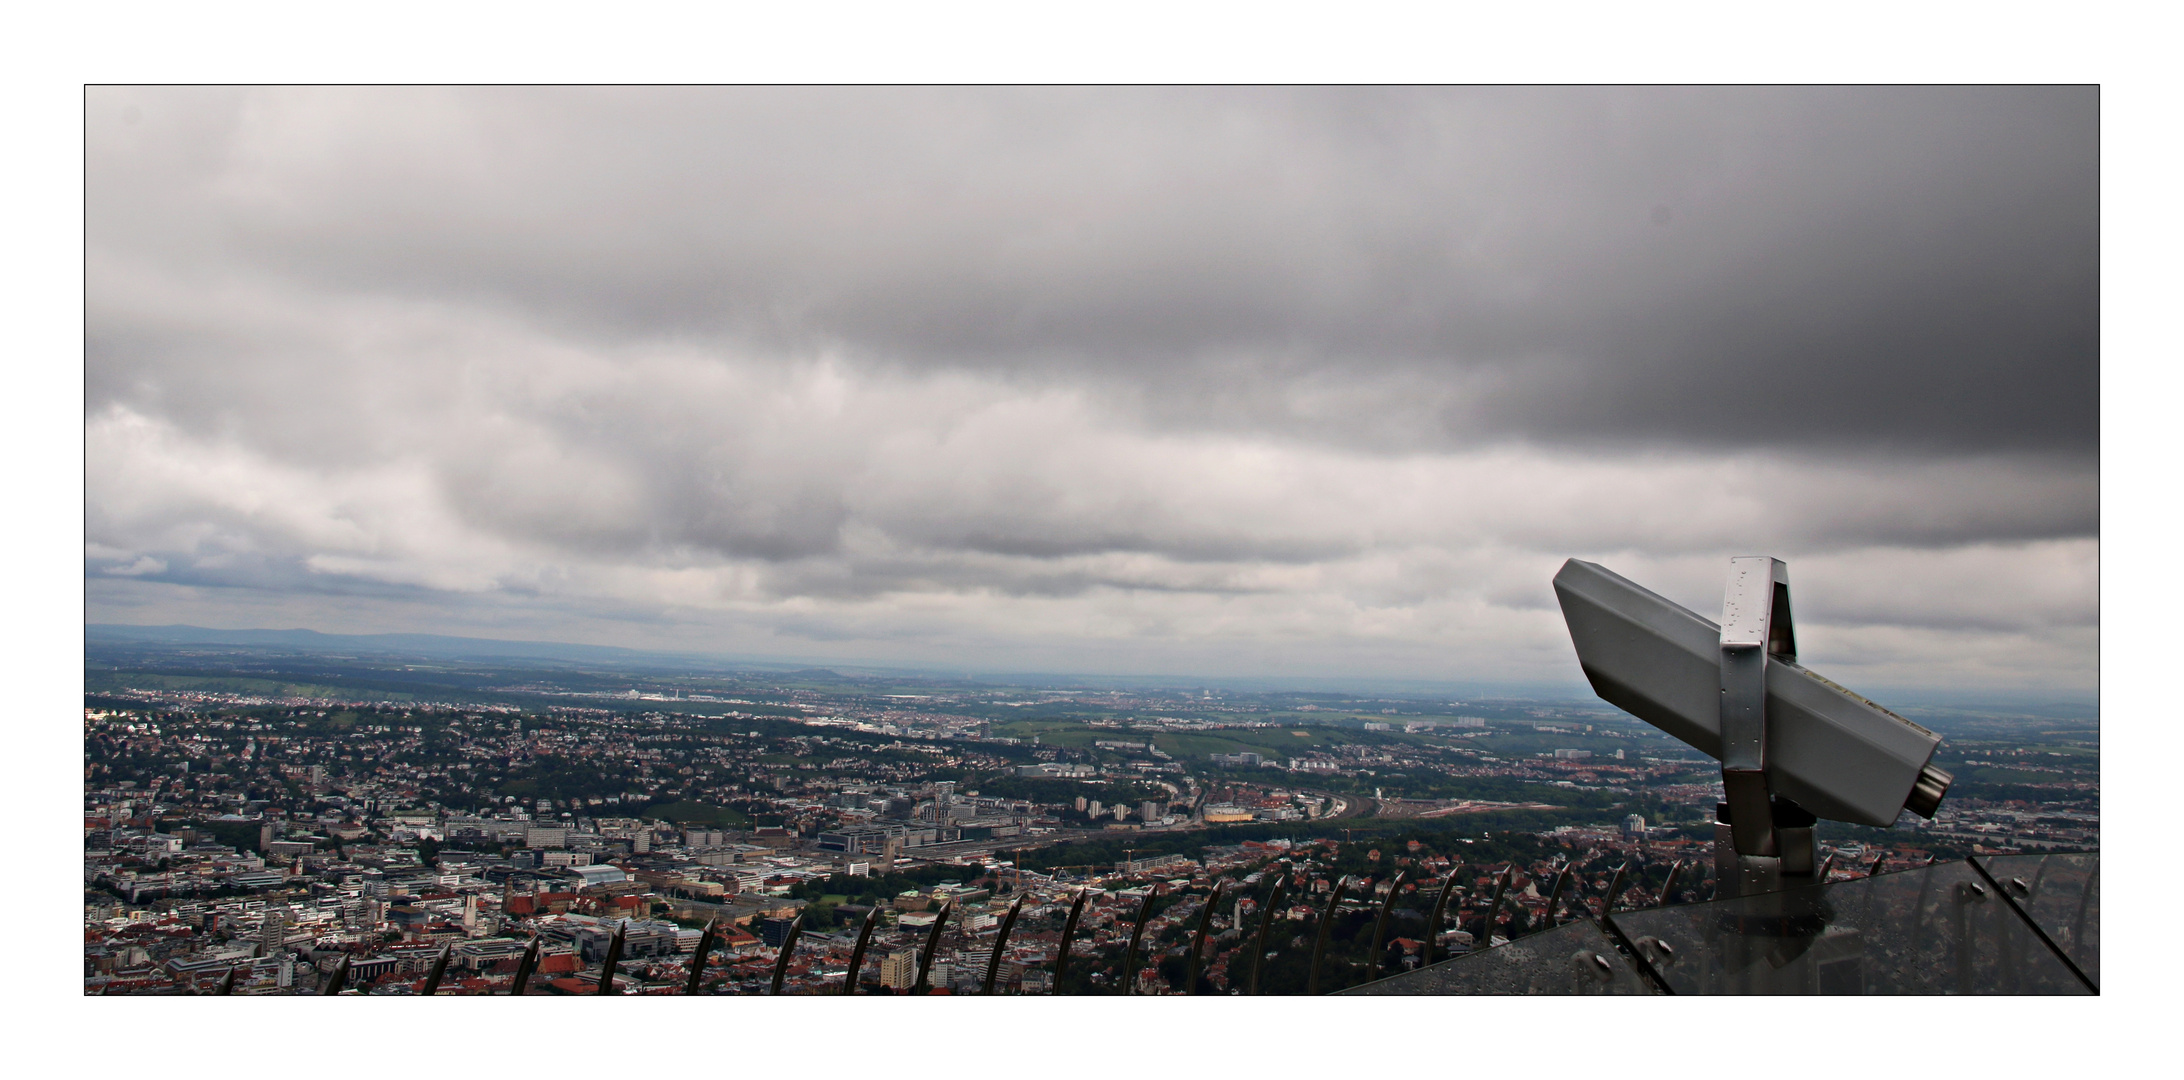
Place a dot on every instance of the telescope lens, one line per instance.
(1926, 795)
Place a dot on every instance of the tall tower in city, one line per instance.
(273, 932)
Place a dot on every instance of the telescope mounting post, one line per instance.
(1760, 836)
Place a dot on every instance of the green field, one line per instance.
(686, 812)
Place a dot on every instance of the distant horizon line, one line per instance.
(517, 648)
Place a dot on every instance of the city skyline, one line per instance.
(1233, 383)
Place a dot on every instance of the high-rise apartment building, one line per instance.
(899, 970)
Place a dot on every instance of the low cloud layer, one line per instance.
(1209, 381)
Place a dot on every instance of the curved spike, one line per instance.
(1000, 941)
(697, 958)
(1668, 886)
(788, 947)
(1380, 925)
(1198, 940)
(1440, 911)
(1266, 922)
(1875, 870)
(1554, 893)
(338, 979)
(1820, 876)
(525, 967)
(1069, 929)
(1493, 907)
(1137, 933)
(932, 943)
(1615, 889)
(614, 958)
(439, 968)
(1319, 944)
(227, 983)
(856, 955)
(2085, 904)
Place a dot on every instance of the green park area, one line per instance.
(689, 812)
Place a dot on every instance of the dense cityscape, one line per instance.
(260, 823)
(1380, 550)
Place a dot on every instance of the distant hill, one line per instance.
(439, 646)
(445, 647)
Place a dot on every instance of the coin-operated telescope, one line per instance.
(1793, 746)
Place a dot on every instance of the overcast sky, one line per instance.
(1216, 382)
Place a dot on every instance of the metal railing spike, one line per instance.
(1137, 933)
(1000, 942)
(2085, 904)
(1198, 940)
(1493, 906)
(706, 938)
(932, 944)
(1820, 876)
(1266, 923)
(227, 983)
(525, 967)
(1615, 889)
(1554, 892)
(1069, 930)
(338, 979)
(614, 959)
(1380, 925)
(856, 955)
(788, 948)
(1875, 871)
(1668, 885)
(1319, 943)
(439, 968)
(1440, 911)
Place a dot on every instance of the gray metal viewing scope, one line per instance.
(1793, 746)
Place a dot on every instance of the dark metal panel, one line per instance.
(1575, 958)
(1935, 930)
(2061, 896)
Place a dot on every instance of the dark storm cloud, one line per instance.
(1160, 379)
(1713, 266)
